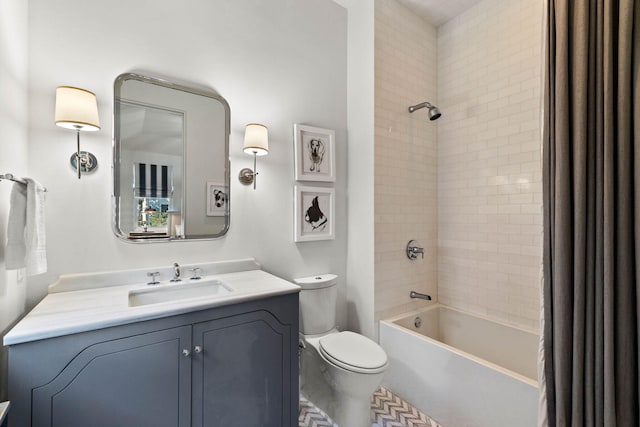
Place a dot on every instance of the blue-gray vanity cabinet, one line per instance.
(228, 366)
(245, 366)
(136, 381)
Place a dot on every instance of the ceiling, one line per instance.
(144, 128)
(437, 12)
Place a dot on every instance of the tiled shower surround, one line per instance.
(489, 174)
(468, 185)
(405, 157)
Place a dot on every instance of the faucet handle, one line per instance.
(196, 273)
(413, 249)
(153, 276)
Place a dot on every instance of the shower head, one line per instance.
(434, 112)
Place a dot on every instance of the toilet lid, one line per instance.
(354, 352)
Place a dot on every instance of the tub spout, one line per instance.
(418, 295)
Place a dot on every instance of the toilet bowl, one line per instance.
(339, 371)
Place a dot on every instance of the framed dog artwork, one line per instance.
(314, 213)
(315, 154)
(217, 199)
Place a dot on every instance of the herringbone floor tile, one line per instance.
(387, 410)
(311, 416)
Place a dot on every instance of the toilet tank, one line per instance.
(318, 299)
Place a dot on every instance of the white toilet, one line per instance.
(339, 371)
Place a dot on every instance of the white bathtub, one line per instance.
(462, 370)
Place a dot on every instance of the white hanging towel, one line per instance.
(26, 240)
(16, 249)
(35, 236)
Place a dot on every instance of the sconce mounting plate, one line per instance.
(246, 176)
(88, 162)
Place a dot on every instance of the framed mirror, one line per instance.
(170, 161)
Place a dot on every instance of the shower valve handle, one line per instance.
(413, 249)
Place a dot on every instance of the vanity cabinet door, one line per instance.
(142, 381)
(242, 376)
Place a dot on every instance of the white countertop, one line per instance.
(73, 311)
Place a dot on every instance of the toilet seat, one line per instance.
(353, 352)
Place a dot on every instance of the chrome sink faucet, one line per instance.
(176, 273)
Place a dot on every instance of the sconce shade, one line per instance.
(256, 139)
(76, 109)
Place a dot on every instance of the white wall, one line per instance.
(405, 158)
(489, 174)
(278, 62)
(13, 149)
(360, 101)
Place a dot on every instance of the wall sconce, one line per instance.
(256, 142)
(77, 109)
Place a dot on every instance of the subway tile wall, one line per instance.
(405, 157)
(468, 186)
(489, 173)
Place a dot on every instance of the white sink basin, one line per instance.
(178, 291)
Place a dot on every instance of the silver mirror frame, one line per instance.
(116, 166)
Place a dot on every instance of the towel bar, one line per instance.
(10, 177)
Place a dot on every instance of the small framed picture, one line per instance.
(315, 154)
(314, 213)
(217, 199)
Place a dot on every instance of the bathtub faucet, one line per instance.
(418, 295)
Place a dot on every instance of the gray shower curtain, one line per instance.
(591, 181)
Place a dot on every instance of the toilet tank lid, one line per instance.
(316, 282)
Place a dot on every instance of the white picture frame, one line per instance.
(314, 213)
(315, 154)
(217, 199)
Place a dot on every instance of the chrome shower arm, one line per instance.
(413, 108)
